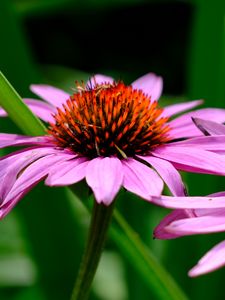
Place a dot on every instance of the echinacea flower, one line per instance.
(207, 216)
(112, 135)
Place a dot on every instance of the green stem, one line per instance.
(160, 283)
(101, 217)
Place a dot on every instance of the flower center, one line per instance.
(109, 119)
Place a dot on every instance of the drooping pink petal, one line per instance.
(192, 159)
(41, 109)
(168, 173)
(99, 79)
(67, 172)
(140, 179)
(161, 233)
(174, 109)
(217, 114)
(50, 94)
(211, 261)
(189, 202)
(200, 224)
(150, 84)
(184, 126)
(13, 165)
(7, 140)
(6, 208)
(105, 177)
(209, 127)
(33, 173)
(212, 143)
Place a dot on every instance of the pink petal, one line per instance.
(201, 224)
(50, 94)
(181, 132)
(218, 194)
(67, 172)
(12, 165)
(168, 173)
(212, 143)
(209, 127)
(161, 233)
(150, 84)
(211, 261)
(41, 109)
(140, 179)
(186, 222)
(201, 212)
(183, 125)
(174, 109)
(104, 176)
(192, 159)
(6, 208)
(189, 202)
(205, 113)
(33, 173)
(3, 113)
(7, 140)
(99, 79)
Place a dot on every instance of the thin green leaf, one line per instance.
(17, 110)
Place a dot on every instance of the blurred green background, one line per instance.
(60, 41)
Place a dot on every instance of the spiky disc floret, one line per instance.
(109, 119)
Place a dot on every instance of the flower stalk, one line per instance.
(100, 221)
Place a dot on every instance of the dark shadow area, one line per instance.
(127, 41)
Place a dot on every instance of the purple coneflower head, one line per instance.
(113, 136)
(110, 120)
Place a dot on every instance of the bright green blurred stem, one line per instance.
(126, 239)
(17, 110)
(100, 221)
(162, 284)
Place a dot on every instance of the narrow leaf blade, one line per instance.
(17, 110)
